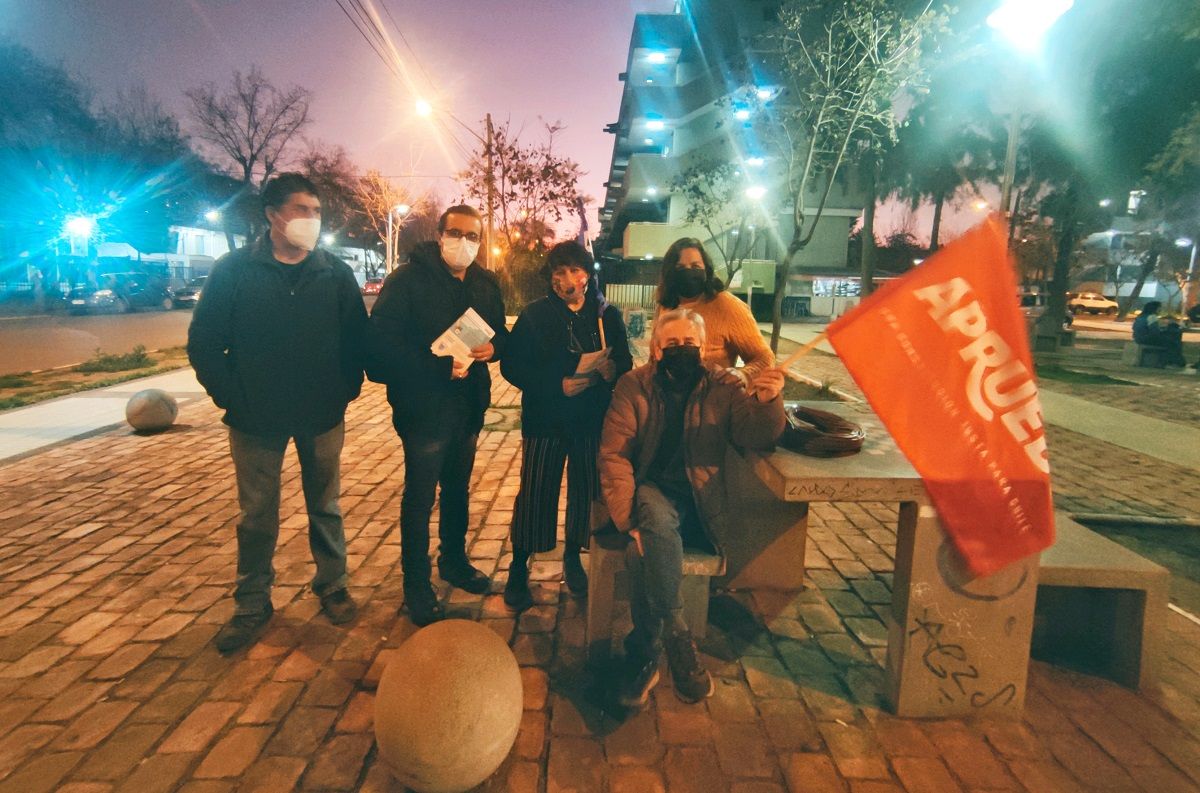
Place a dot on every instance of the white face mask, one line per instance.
(458, 253)
(303, 232)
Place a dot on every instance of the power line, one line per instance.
(367, 38)
(403, 38)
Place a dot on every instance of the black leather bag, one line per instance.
(819, 433)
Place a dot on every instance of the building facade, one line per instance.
(692, 83)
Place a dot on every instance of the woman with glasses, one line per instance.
(687, 281)
(565, 352)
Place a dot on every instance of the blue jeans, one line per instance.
(443, 454)
(258, 463)
(666, 524)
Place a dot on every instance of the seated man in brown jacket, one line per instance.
(661, 457)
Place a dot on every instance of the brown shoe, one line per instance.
(692, 681)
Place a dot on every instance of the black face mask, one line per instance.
(690, 281)
(680, 364)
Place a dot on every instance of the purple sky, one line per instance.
(554, 59)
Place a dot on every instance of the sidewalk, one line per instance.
(26, 430)
(117, 559)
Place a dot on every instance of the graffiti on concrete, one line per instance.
(951, 664)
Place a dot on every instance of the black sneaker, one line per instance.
(423, 606)
(638, 679)
(573, 572)
(463, 575)
(338, 606)
(241, 630)
(692, 681)
(516, 590)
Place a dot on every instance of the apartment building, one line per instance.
(687, 80)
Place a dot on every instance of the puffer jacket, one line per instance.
(717, 415)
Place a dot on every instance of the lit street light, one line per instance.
(80, 226)
(1190, 283)
(400, 210)
(328, 239)
(756, 192)
(212, 216)
(78, 231)
(1024, 24)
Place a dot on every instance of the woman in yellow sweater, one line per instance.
(687, 280)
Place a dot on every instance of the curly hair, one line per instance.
(667, 296)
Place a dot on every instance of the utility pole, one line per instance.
(491, 193)
(387, 264)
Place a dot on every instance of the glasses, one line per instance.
(456, 234)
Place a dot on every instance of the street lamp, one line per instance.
(328, 239)
(212, 216)
(1024, 24)
(1184, 242)
(79, 231)
(400, 210)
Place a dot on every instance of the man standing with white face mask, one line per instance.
(278, 341)
(437, 404)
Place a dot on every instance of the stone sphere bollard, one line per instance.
(448, 707)
(152, 410)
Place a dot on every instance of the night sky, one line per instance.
(557, 60)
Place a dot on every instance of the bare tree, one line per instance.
(251, 123)
(137, 120)
(841, 65)
(376, 197)
(716, 201)
(330, 168)
(534, 187)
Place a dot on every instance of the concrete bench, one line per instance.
(603, 566)
(1101, 608)
(1148, 355)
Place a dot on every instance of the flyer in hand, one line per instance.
(468, 332)
(589, 363)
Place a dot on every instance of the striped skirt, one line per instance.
(535, 515)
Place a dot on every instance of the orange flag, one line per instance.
(943, 358)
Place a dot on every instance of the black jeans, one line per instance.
(440, 453)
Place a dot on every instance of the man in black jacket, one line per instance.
(278, 342)
(437, 403)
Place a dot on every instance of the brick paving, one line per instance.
(117, 559)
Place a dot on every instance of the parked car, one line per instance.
(188, 296)
(1033, 306)
(118, 293)
(372, 286)
(1092, 303)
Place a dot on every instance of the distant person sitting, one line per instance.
(1152, 331)
(1193, 314)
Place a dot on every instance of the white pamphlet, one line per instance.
(468, 332)
(589, 363)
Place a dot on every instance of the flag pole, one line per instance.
(801, 352)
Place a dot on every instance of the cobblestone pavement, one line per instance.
(117, 559)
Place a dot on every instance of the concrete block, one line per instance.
(1134, 354)
(604, 566)
(1101, 608)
